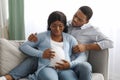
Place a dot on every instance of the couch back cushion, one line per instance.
(10, 55)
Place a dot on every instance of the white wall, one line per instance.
(106, 15)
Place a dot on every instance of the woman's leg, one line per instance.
(28, 66)
(67, 75)
(48, 74)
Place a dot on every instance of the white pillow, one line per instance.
(10, 55)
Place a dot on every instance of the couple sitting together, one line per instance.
(59, 55)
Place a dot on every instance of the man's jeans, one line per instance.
(83, 71)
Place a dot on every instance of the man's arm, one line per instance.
(100, 42)
(92, 47)
(85, 47)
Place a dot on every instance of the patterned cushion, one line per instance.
(10, 56)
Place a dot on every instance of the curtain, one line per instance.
(16, 20)
(3, 19)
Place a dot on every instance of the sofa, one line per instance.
(10, 56)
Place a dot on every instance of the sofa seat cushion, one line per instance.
(10, 55)
(97, 76)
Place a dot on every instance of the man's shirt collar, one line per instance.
(85, 26)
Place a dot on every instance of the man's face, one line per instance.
(79, 19)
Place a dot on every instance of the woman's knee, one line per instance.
(64, 72)
(48, 74)
(67, 75)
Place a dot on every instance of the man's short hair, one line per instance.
(87, 11)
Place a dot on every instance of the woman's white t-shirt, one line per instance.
(57, 47)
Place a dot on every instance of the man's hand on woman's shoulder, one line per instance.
(32, 37)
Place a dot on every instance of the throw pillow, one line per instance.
(10, 55)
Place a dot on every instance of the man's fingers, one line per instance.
(30, 37)
(33, 37)
(35, 33)
(75, 48)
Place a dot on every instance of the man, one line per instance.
(88, 37)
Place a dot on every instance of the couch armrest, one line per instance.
(99, 62)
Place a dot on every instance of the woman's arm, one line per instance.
(77, 58)
(29, 49)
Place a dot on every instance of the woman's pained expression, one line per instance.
(57, 28)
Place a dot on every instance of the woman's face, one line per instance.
(57, 28)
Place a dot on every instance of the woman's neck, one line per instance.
(57, 38)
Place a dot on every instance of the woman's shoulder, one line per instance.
(43, 33)
(66, 34)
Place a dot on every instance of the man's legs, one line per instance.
(28, 66)
(83, 71)
(67, 75)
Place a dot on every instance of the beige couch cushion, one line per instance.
(10, 56)
(97, 76)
